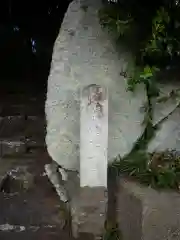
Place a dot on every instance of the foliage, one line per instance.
(117, 21)
(158, 170)
(156, 27)
(111, 232)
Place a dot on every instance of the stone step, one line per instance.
(25, 186)
(29, 203)
(19, 134)
(45, 233)
(12, 146)
(26, 109)
(35, 131)
(30, 208)
(16, 146)
(36, 233)
(26, 195)
(28, 159)
(22, 103)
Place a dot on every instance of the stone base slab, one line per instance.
(89, 211)
(144, 213)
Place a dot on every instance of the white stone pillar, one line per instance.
(93, 136)
(89, 208)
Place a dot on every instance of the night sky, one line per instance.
(28, 30)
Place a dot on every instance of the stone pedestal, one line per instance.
(89, 207)
(144, 213)
(89, 212)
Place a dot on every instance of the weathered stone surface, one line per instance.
(144, 213)
(46, 233)
(35, 131)
(26, 109)
(12, 146)
(94, 136)
(72, 184)
(12, 139)
(89, 211)
(31, 203)
(87, 57)
(85, 54)
(12, 126)
(20, 179)
(15, 174)
(23, 102)
(19, 133)
(36, 233)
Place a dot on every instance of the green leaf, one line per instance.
(166, 178)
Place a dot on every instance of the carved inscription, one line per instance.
(96, 95)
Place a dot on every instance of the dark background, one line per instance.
(28, 30)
